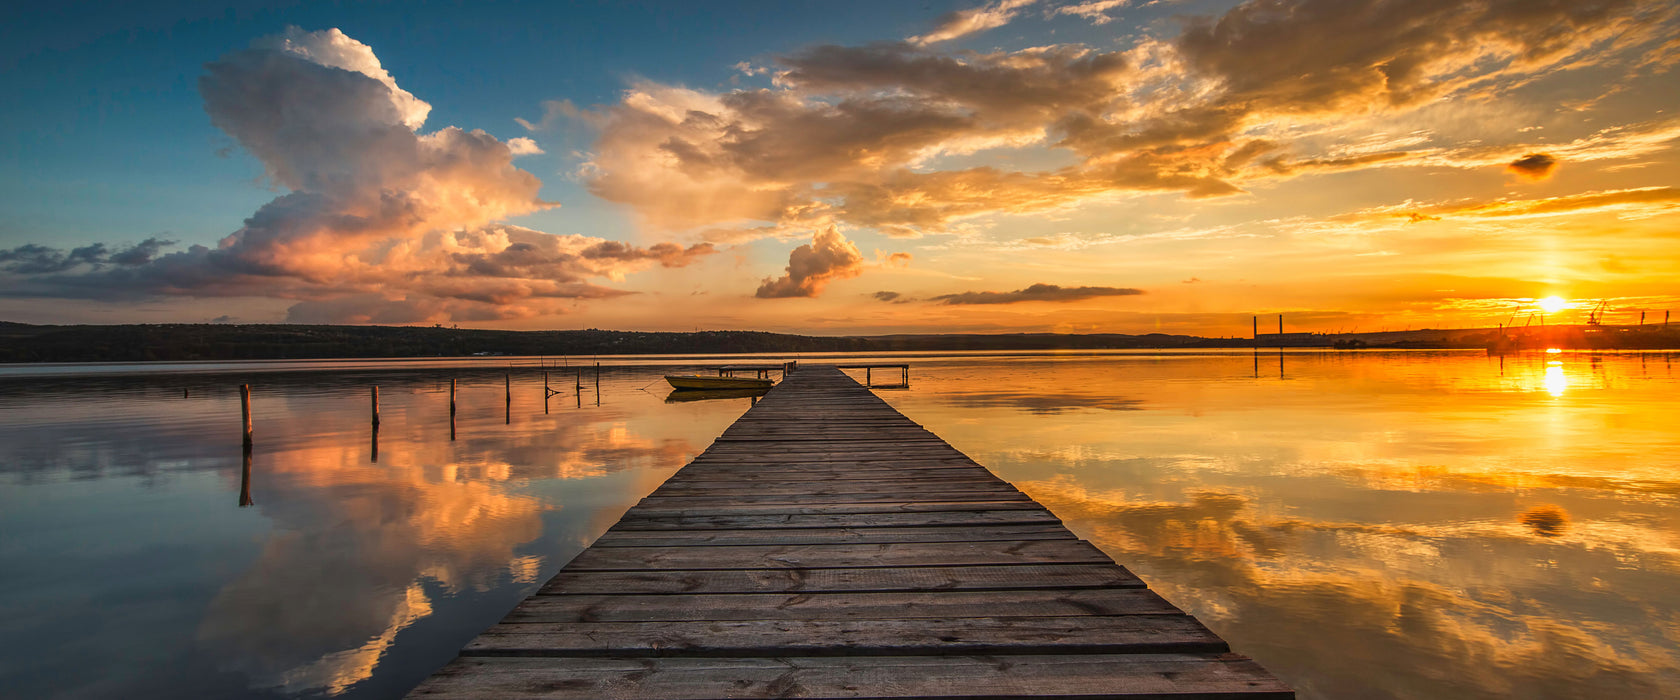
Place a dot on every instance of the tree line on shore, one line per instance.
(187, 342)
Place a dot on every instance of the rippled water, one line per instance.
(1373, 525)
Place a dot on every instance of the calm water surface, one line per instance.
(1367, 525)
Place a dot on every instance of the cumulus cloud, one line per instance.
(864, 136)
(1534, 166)
(828, 257)
(972, 21)
(1037, 292)
(522, 146)
(382, 222)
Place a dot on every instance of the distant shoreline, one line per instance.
(26, 343)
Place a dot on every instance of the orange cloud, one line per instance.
(382, 222)
(828, 257)
(856, 135)
(971, 21)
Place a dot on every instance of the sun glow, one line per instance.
(1552, 305)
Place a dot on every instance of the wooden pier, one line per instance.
(825, 546)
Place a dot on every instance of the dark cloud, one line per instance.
(1534, 166)
(893, 297)
(33, 259)
(1037, 292)
(828, 257)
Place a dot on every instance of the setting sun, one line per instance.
(1552, 305)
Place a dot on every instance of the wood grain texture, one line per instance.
(826, 546)
(1090, 676)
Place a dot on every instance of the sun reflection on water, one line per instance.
(1391, 525)
(1555, 381)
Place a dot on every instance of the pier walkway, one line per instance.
(825, 546)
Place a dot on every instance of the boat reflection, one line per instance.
(685, 395)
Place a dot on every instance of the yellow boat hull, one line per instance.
(690, 381)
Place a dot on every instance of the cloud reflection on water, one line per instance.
(349, 554)
(1375, 526)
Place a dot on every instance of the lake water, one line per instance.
(1365, 524)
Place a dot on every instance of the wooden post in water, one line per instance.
(245, 410)
(546, 392)
(451, 409)
(507, 404)
(1256, 332)
(1280, 331)
(184, 393)
(597, 383)
(374, 400)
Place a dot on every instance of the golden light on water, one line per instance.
(1552, 305)
(1555, 382)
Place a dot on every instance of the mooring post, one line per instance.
(597, 383)
(245, 410)
(184, 393)
(452, 409)
(1280, 331)
(507, 404)
(374, 399)
(866, 380)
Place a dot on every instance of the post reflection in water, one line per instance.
(362, 579)
(245, 477)
(1398, 525)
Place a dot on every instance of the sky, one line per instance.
(1074, 166)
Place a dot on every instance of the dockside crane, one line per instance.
(1596, 317)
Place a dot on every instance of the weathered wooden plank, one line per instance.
(1031, 602)
(635, 520)
(808, 556)
(1134, 634)
(682, 498)
(1090, 676)
(793, 499)
(746, 478)
(867, 579)
(668, 508)
(871, 535)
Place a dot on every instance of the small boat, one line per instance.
(694, 381)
